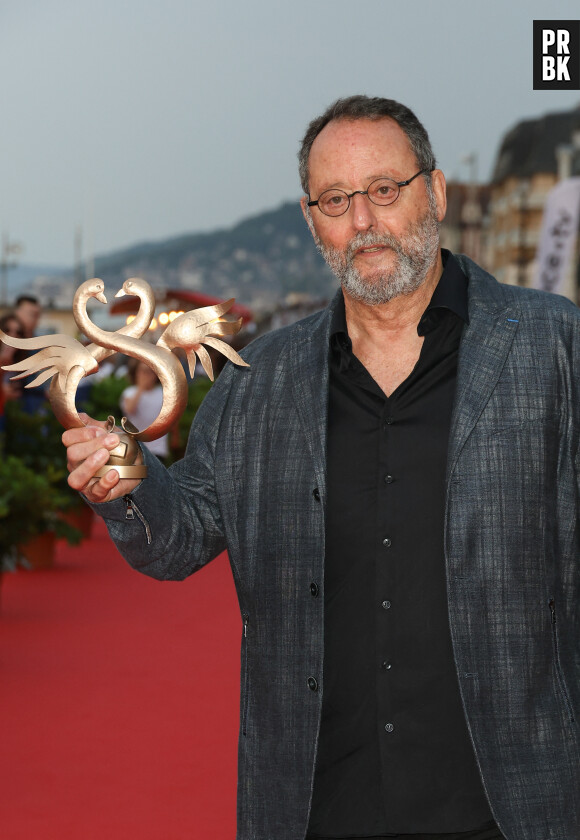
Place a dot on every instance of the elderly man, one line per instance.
(396, 482)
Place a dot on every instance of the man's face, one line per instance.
(29, 313)
(376, 252)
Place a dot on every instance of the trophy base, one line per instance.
(134, 471)
(123, 457)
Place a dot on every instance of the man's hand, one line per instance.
(88, 450)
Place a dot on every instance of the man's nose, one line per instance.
(363, 212)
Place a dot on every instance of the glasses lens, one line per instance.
(383, 191)
(333, 202)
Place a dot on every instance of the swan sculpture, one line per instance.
(67, 361)
(191, 330)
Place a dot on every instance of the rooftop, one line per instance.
(530, 146)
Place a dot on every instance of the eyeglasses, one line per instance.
(383, 191)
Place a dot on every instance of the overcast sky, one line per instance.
(144, 119)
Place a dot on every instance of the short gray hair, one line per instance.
(369, 108)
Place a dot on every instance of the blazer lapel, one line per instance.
(484, 347)
(309, 371)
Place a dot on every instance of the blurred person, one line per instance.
(141, 403)
(29, 311)
(11, 325)
(396, 480)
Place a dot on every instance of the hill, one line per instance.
(259, 261)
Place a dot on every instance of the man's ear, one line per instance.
(307, 214)
(440, 193)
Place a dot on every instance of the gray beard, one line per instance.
(416, 254)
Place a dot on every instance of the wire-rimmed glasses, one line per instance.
(382, 191)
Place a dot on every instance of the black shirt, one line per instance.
(394, 753)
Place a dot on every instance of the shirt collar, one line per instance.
(450, 294)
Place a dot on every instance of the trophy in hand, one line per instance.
(66, 361)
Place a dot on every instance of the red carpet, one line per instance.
(119, 701)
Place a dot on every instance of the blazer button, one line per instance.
(316, 494)
(314, 590)
(312, 684)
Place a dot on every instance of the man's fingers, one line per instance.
(80, 450)
(82, 433)
(100, 489)
(82, 470)
(88, 451)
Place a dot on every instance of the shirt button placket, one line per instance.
(384, 574)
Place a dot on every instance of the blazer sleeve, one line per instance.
(171, 525)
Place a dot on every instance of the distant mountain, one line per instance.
(259, 261)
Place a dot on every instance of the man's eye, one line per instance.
(334, 200)
(384, 190)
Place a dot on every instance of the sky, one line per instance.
(138, 121)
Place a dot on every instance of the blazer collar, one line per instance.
(309, 364)
(493, 322)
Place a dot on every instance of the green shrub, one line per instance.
(30, 504)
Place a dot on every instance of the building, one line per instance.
(464, 229)
(533, 157)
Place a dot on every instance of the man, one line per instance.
(28, 311)
(396, 482)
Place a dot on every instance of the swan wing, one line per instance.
(225, 349)
(58, 354)
(205, 360)
(207, 314)
(194, 320)
(186, 331)
(40, 341)
(224, 327)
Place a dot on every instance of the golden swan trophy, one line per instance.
(66, 361)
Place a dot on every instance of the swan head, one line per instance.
(135, 286)
(91, 288)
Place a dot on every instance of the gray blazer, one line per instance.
(253, 480)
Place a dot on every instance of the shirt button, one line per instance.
(389, 479)
(389, 727)
(312, 684)
(314, 590)
(386, 605)
(388, 421)
(386, 666)
(316, 494)
(387, 542)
